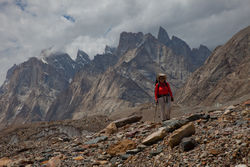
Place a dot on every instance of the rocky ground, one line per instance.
(210, 138)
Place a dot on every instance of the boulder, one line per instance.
(156, 136)
(185, 131)
(187, 143)
(128, 120)
(173, 124)
(110, 129)
(195, 117)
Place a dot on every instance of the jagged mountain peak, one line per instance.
(125, 34)
(136, 59)
(109, 50)
(128, 40)
(81, 53)
(130, 37)
(163, 36)
(82, 58)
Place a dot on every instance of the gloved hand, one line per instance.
(156, 101)
(172, 99)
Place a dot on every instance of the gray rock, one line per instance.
(172, 124)
(134, 151)
(157, 151)
(195, 117)
(187, 143)
(96, 140)
(141, 146)
(124, 121)
(125, 156)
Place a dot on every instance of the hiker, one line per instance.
(163, 96)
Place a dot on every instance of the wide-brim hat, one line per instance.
(161, 75)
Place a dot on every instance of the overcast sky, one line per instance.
(29, 26)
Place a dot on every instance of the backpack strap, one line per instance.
(158, 90)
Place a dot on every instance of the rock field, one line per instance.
(209, 138)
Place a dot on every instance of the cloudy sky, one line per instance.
(29, 26)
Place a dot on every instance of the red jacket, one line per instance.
(163, 90)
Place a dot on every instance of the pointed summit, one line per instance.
(128, 41)
(163, 36)
(82, 58)
(109, 50)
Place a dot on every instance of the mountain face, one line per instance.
(57, 87)
(127, 82)
(30, 89)
(224, 76)
(195, 57)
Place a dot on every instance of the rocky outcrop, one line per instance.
(30, 90)
(109, 50)
(199, 56)
(102, 62)
(32, 87)
(67, 101)
(63, 64)
(224, 76)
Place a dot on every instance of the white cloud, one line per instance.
(28, 26)
(90, 45)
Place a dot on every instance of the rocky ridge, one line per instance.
(209, 138)
(224, 77)
(119, 86)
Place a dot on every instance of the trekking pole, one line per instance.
(155, 111)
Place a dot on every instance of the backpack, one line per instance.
(157, 82)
